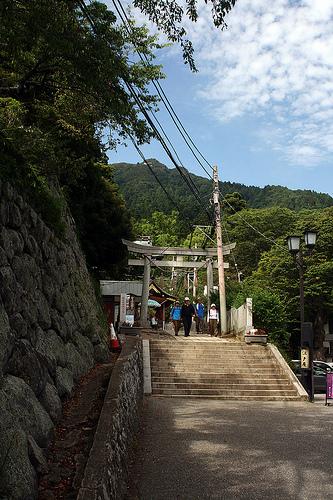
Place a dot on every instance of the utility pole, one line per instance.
(220, 263)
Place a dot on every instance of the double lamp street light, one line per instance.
(295, 248)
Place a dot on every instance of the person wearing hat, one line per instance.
(187, 314)
(213, 319)
(175, 316)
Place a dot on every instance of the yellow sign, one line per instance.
(305, 361)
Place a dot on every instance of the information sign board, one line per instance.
(305, 358)
(329, 386)
(122, 312)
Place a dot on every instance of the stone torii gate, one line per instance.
(149, 253)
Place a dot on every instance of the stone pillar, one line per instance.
(145, 292)
(146, 367)
(210, 283)
(249, 318)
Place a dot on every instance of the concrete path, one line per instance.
(191, 449)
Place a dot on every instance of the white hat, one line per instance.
(213, 305)
(187, 298)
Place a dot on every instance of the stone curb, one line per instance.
(286, 368)
(106, 471)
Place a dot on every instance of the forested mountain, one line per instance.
(143, 195)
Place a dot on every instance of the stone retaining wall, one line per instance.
(107, 467)
(50, 335)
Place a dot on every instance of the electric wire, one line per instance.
(126, 23)
(172, 112)
(159, 89)
(231, 250)
(250, 225)
(165, 146)
(146, 162)
(188, 181)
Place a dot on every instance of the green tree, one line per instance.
(255, 232)
(102, 220)
(165, 229)
(278, 272)
(269, 312)
(62, 84)
(232, 203)
(169, 16)
(143, 195)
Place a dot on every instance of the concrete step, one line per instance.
(214, 372)
(267, 386)
(215, 369)
(185, 342)
(218, 378)
(201, 367)
(213, 362)
(226, 392)
(232, 398)
(210, 355)
(206, 347)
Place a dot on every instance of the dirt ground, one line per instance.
(73, 437)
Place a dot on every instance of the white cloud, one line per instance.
(275, 62)
(276, 59)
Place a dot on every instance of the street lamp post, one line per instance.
(294, 247)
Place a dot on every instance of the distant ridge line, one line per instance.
(143, 195)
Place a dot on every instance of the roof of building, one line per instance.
(109, 287)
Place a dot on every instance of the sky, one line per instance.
(261, 105)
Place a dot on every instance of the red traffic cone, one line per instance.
(115, 344)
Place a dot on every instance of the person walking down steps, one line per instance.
(200, 308)
(175, 315)
(213, 319)
(187, 314)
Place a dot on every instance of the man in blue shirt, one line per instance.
(200, 309)
(175, 316)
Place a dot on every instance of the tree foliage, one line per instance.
(277, 272)
(143, 195)
(169, 17)
(63, 82)
(232, 203)
(269, 312)
(164, 229)
(270, 224)
(272, 277)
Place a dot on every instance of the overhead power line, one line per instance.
(175, 118)
(188, 181)
(249, 224)
(146, 162)
(159, 89)
(165, 147)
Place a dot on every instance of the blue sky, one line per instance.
(261, 106)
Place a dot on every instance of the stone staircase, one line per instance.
(213, 368)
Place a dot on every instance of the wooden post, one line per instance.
(163, 317)
(195, 281)
(145, 292)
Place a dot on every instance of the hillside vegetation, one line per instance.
(56, 100)
(263, 220)
(143, 195)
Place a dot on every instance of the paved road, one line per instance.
(192, 449)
